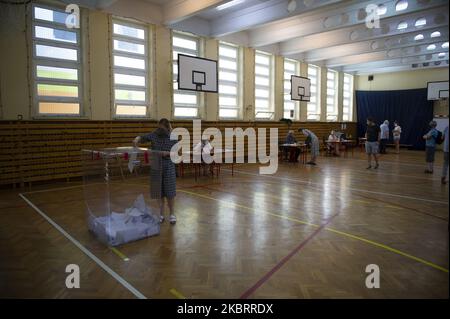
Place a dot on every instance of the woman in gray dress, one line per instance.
(162, 173)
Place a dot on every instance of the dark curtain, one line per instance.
(410, 108)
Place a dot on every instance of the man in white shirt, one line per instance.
(384, 136)
(445, 148)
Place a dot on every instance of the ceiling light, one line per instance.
(421, 22)
(441, 55)
(445, 45)
(381, 10)
(435, 34)
(419, 37)
(402, 25)
(229, 4)
(431, 47)
(292, 5)
(401, 5)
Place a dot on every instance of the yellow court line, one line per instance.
(177, 294)
(248, 208)
(119, 253)
(329, 229)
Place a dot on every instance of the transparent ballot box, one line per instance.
(121, 187)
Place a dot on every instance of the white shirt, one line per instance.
(397, 130)
(384, 131)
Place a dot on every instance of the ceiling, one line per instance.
(331, 33)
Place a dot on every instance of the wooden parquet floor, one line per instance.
(246, 235)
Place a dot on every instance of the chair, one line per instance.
(328, 149)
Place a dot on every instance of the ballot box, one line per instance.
(121, 187)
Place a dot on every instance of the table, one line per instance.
(214, 166)
(291, 147)
(345, 143)
(361, 142)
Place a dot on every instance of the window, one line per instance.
(186, 103)
(263, 85)
(290, 107)
(229, 81)
(313, 109)
(332, 81)
(130, 56)
(347, 107)
(56, 64)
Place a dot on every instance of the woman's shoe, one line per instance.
(161, 219)
(172, 219)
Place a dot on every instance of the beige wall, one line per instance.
(406, 80)
(401, 80)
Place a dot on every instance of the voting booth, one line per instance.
(122, 190)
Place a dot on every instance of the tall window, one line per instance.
(332, 82)
(229, 84)
(56, 63)
(263, 85)
(348, 98)
(290, 107)
(130, 51)
(313, 109)
(186, 104)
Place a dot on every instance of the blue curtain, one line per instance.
(410, 108)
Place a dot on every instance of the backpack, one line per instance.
(439, 139)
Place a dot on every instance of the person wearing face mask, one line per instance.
(163, 175)
(396, 133)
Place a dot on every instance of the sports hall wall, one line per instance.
(15, 82)
(404, 81)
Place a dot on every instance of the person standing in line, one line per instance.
(313, 142)
(445, 167)
(384, 136)
(397, 132)
(372, 142)
(430, 146)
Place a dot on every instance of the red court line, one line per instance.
(283, 261)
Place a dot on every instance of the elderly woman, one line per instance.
(162, 175)
(313, 142)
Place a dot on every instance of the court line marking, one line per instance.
(423, 261)
(177, 294)
(119, 253)
(105, 267)
(285, 259)
(349, 188)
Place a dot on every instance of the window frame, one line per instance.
(77, 65)
(335, 114)
(285, 95)
(174, 61)
(237, 84)
(270, 88)
(350, 98)
(146, 72)
(317, 95)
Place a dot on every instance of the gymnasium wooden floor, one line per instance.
(306, 232)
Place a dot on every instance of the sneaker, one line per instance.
(311, 163)
(369, 167)
(172, 219)
(161, 219)
(376, 166)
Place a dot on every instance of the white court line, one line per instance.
(353, 189)
(399, 163)
(116, 276)
(58, 188)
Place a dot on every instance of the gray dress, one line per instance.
(162, 173)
